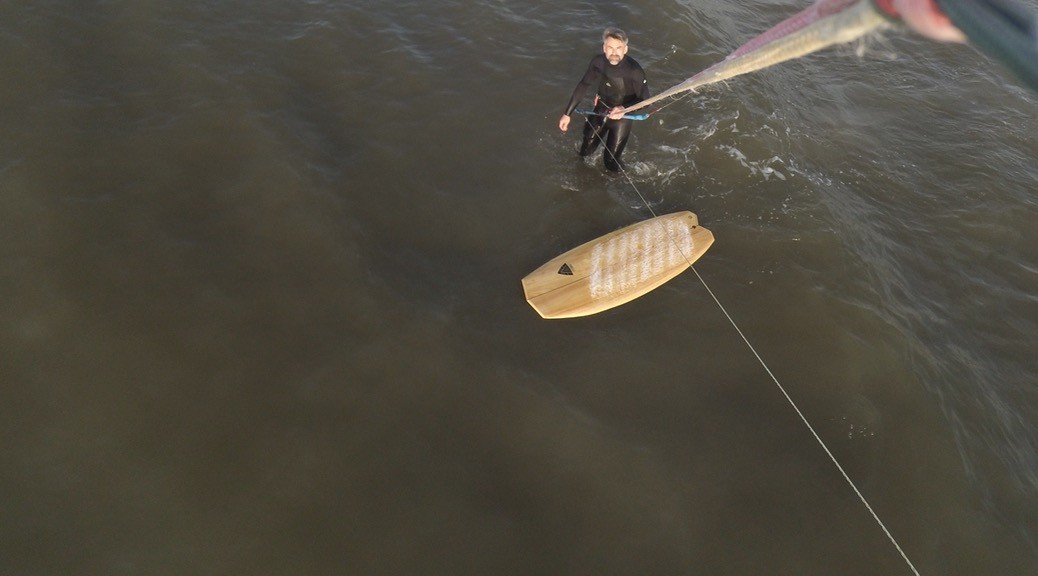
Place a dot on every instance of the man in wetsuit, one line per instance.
(619, 81)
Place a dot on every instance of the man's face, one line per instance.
(615, 50)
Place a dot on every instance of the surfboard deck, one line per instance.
(618, 267)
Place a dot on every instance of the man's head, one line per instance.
(614, 45)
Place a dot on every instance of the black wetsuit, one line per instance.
(620, 85)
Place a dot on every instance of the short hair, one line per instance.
(614, 33)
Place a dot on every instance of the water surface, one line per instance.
(262, 308)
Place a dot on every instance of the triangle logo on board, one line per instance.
(566, 270)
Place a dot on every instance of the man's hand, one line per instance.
(616, 113)
(564, 123)
(926, 18)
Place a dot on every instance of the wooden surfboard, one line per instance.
(618, 267)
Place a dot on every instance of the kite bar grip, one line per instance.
(627, 116)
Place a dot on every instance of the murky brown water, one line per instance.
(262, 310)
